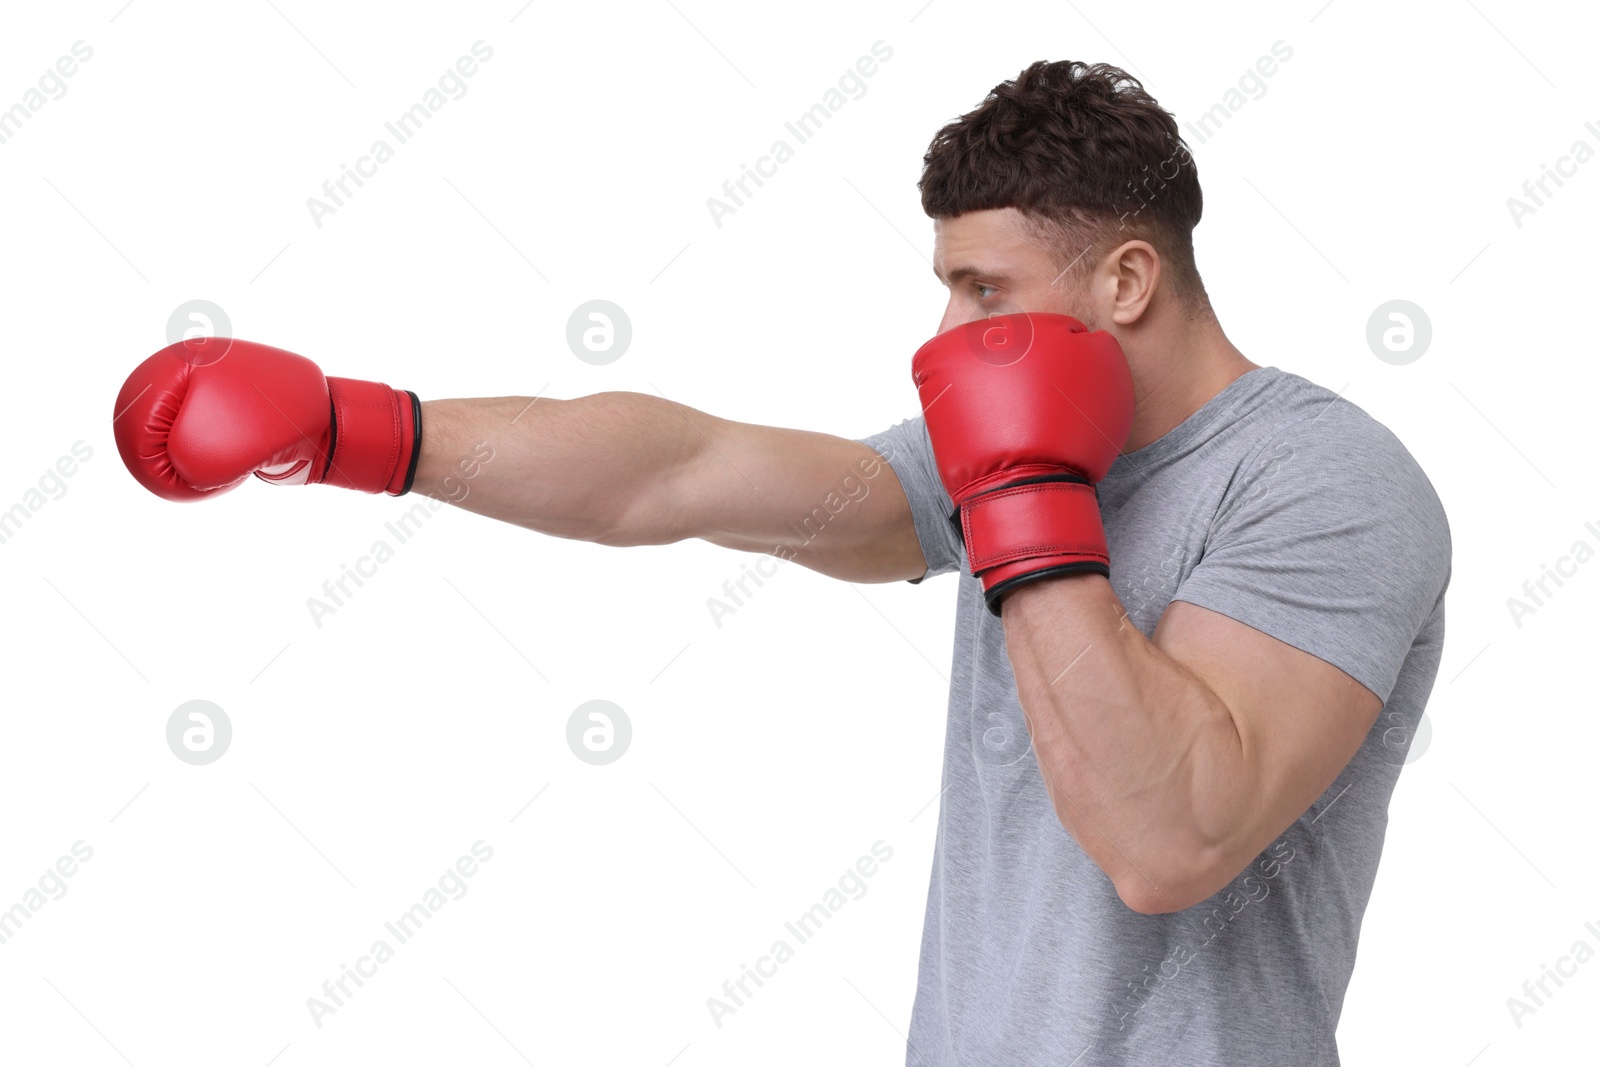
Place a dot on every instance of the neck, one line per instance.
(1175, 372)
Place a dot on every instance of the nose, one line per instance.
(957, 313)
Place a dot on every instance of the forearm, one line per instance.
(583, 468)
(1144, 763)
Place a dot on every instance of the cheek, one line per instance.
(1070, 298)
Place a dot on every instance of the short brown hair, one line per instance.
(1087, 156)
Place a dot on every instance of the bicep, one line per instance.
(828, 503)
(1299, 718)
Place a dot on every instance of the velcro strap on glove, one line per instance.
(377, 436)
(1053, 519)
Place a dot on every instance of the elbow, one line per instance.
(613, 536)
(1149, 883)
(1147, 899)
(1175, 887)
(639, 525)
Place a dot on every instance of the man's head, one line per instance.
(1068, 190)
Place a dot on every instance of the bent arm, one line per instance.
(1176, 759)
(632, 469)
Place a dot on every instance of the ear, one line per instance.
(1130, 275)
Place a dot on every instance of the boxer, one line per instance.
(1188, 584)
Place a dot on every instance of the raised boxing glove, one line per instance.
(200, 416)
(1026, 412)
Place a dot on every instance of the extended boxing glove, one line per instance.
(1026, 412)
(200, 416)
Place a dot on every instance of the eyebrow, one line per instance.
(964, 272)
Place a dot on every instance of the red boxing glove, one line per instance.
(1026, 412)
(200, 416)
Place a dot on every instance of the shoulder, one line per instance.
(901, 438)
(1342, 469)
(1348, 444)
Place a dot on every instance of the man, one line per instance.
(1191, 585)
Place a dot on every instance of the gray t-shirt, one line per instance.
(1293, 511)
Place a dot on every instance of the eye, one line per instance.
(982, 295)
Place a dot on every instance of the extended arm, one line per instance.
(633, 469)
(200, 417)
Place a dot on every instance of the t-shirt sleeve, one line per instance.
(1330, 539)
(909, 453)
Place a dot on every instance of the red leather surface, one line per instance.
(200, 416)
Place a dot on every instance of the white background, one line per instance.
(772, 752)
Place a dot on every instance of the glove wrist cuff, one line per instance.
(376, 437)
(1018, 531)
